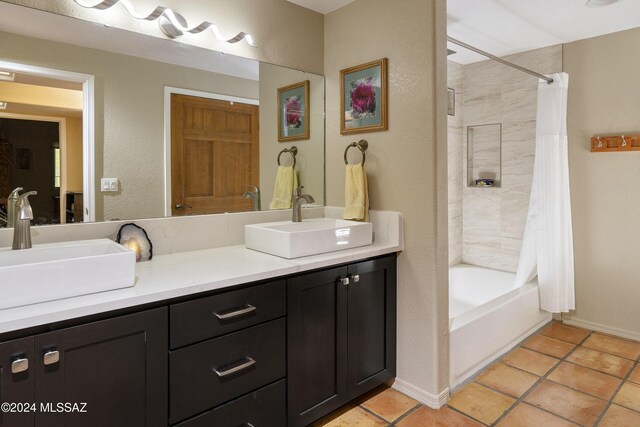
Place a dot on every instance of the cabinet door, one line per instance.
(118, 367)
(16, 381)
(372, 324)
(317, 345)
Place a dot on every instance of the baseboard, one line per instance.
(601, 328)
(431, 400)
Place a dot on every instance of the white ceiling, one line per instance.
(503, 27)
(322, 6)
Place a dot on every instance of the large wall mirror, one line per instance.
(92, 116)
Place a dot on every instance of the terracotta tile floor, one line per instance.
(560, 376)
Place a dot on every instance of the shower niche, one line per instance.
(484, 155)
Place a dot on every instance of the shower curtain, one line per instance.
(547, 245)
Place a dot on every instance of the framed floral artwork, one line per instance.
(293, 112)
(363, 104)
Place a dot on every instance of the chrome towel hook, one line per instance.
(362, 145)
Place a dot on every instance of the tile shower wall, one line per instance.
(455, 144)
(493, 218)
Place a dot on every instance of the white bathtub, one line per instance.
(487, 317)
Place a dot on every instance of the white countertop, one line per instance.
(174, 275)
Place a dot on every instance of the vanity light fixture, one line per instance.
(171, 23)
(600, 3)
(7, 75)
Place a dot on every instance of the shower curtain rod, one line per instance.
(500, 60)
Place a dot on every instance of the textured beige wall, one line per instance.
(129, 115)
(286, 34)
(310, 158)
(401, 162)
(604, 89)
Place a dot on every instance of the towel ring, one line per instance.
(362, 146)
(293, 151)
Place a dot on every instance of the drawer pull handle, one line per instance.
(250, 362)
(356, 278)
(51, 357)
(344, 280)
(246, 309)
(19, 365)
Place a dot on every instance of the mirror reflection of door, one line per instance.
(32, 161)
(41, 145)
(214, 155)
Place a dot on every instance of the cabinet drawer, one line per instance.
(262, 408)
(207, 374)
(210, 317)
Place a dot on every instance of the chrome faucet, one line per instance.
(22, 228)
(11, 207)
(254, 195)
(298, 198)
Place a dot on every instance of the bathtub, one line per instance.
(487, 317)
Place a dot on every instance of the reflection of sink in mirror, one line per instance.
(131, 112)
(61, 270)
(312, 236)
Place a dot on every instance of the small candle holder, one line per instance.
(135, 238)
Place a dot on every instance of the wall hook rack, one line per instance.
(622, 142)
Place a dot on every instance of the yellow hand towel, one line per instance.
(286, 181)
(356, 194)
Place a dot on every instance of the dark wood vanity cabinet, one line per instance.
(341, 329)
(105, 373)
(275, 354)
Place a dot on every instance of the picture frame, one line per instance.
(363, 100)
(293, 112)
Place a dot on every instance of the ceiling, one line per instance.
(503, 27)
(322, 6)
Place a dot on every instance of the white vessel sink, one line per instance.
(61, 270)
(312, 236)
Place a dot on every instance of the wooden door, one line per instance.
(16, 382)
(317, 345)
(118, 367)
(372, 324)
(214, 155)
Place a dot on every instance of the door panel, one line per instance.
(317, 345)
(199, 157)
(117, 366)
(372, 324)
(214, 154)
(16, 387)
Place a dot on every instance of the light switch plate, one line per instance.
(108, 184)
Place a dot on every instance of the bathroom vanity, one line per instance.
(279, 351)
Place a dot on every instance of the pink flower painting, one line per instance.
(363, 98)
(293, 112)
